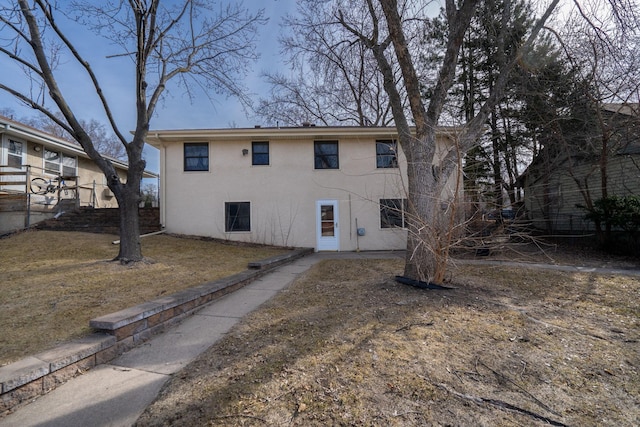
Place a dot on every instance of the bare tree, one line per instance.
(599, 117)
(392, 26)
(191, 42)
(428, 172)
(333, 81)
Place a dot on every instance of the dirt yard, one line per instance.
(347, 345)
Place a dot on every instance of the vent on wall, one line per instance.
(107, 193)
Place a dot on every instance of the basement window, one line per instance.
(237, 216)
(393, 213)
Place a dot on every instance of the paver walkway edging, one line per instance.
(118, 332)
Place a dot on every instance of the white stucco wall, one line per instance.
(283, 194)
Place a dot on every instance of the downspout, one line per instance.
(162, 191)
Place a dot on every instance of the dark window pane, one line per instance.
(196, 156)
(14, 161)
(15, 148)
(386, 151)
(237, 216)
(260, 153)
(326, 154)
(392, 213)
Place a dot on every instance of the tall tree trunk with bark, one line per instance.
(128, 197)
(427, 241)
(433, 215)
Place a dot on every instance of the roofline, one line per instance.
(12, 127)
(158, 137)
(631, 109)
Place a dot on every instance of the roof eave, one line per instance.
(156, 138)
(11, 127)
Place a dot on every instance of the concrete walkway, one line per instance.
(117, 393)
(567, 268)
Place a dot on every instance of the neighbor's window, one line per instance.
(326, 154)
(259, 153)
(57, 163)
(15, 154)
(237, 216)
(393, 213)
(196, 156)
(386, 154)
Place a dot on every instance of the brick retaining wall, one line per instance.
(106, 220)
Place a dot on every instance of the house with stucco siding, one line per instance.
(329, 188)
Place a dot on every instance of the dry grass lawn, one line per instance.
(347, 345)
(53, 283)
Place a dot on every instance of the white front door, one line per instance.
(327, 225)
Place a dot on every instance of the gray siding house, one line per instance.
(559, 179)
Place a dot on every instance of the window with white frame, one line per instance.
(16, 150)
(57, 163)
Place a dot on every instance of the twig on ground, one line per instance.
(406, 327)
(223, 417)
(524, 366)
(504, 377)
(500, 404)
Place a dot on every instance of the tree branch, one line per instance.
(44, 6)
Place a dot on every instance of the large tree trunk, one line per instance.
(430, 226)
(130, 248)
(432, 214)
(420, 260)
(128, 196)
(427, 250)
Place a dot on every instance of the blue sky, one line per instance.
(176, 110)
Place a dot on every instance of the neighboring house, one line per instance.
(559, 178)
(330, 188)
(28, 156)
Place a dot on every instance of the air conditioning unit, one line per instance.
(107, 193)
